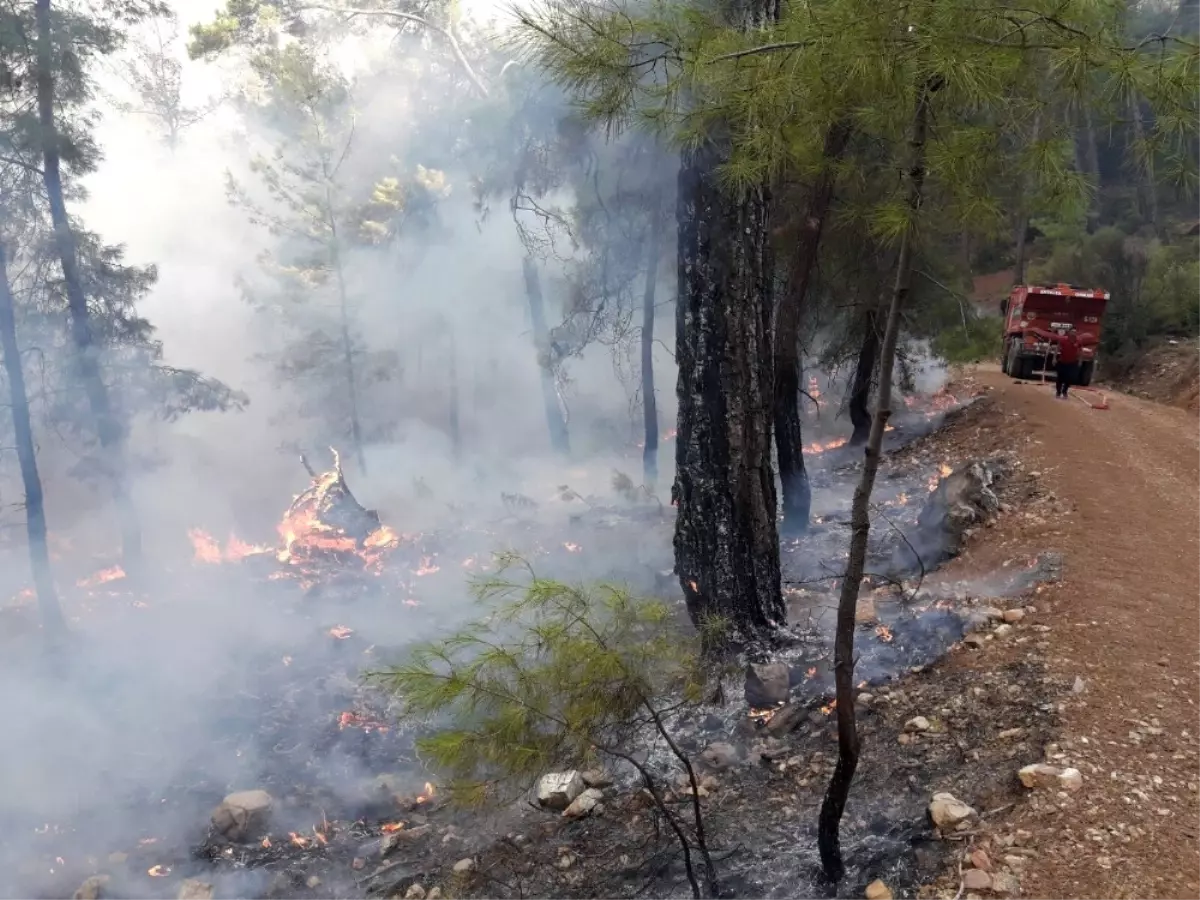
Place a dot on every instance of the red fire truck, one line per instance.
(1049, 308)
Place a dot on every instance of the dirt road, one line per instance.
(1126, 620)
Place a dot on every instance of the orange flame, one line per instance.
(298, 840)
(158, 871)
(266, 842)
(389, 827)
(572, 547)
(427, 567)
(829, 707)
(112, 573)
(885, 633)
(427, 795)
(341, 632)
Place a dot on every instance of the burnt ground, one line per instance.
(278, 720)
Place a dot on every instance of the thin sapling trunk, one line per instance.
(789, 443)
(649, 401)
(834, 804)
(109, 431)
(53, 622)
(864, 374)
(559, 438)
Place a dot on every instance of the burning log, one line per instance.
(327, 521)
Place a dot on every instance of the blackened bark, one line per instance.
(53, 622)
(559, 438)
(649, 400)
(864, 374)
(834, 804)
(726, 542)
(109, 431)
(789, 440)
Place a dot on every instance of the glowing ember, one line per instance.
(829, 707)
(945, 471)
(366, 723)
(823, 446)
(113, 573)
(208, 550)
(427, 795)
(158, 871)
(389, 827)
(266, 842)
(297, 839)
(427, 567)
(810, 672)
(884, 633)
(765, 715)
(572, 548)
(341, 632)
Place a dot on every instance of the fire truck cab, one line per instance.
(1049, 308)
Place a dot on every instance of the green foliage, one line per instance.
(553, 676)
(975, 341)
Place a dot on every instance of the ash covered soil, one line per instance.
(245, 680)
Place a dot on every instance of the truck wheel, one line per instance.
(1085, 372)
(1024, 367)
(1014, 360)
(1004, 358)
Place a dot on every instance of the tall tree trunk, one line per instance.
(1092, 157)
(864, 374)
(53, 622)
(1020, 261)
(109, 431)
(455, 428)
(1145, 170)
(649, 400)
(349, 371)
(829, 822)
(559, 437)
(789, 440)
(726, 542)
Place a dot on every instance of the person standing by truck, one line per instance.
(1070, 343)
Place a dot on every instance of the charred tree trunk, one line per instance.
(864, 374)
(789, 440)
(53, 622)
(726, 542)
(834, 804)
(109, 431)
(559, 437)
(649, 401)
(1020, 261)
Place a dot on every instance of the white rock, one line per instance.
(415, 892)
(1003, 631)
(584, 804)
(1078, 687)
(194, 889)
(947, 811)
(720, 755)
(917, 723)
(464, 866)
(877, 890)
(1070, 779)
(597, 778)
(1013, 616)
(556, 790)
(1040, 775)
(243, 815)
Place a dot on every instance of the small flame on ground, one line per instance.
(350, 719)
(427, 567)
(297, 839)
(810, 672)
(572, 547)
(884, 633)
(158, 871)
(112, 573)
(765, 715)
(266, 842)
(389, 827)
(829, 707)
(340, 632)
(427, 795)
